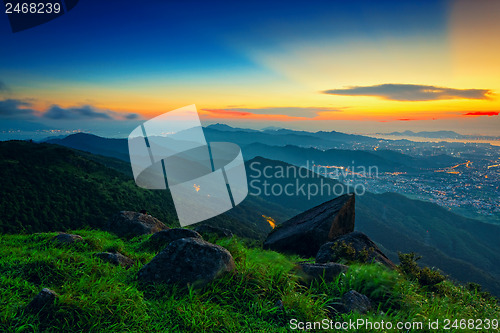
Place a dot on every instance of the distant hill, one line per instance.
(276, 147)
(384, 160)
(441, 135)
(94, 144)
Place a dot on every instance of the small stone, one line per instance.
(355, 301)
(115, 258)
(328, 271)
(68, 238)
(43, 298)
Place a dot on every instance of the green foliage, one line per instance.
(346, 253)
(96, 296)
(425, 276)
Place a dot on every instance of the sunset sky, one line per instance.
(350, 66)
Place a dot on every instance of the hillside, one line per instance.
(46, 187)
(265, 293)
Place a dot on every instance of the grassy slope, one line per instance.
(98, 297)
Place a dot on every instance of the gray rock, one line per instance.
(188, 261)
(206, 229)
(131, 224)
(162, 238)
(354, 301)
(44, 298)
(358, 241)
(306, 232)
(68, 238)
(328, 271)
(115, 258)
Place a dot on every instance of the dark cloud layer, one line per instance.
(14, 108)
(84, 112)
(22, 110)
(411, 92)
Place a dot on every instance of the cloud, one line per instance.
(482, 113)
(411, 92)
(302, 112)
(22, 110)
(14, 108)
(132, 116)
(84, 112)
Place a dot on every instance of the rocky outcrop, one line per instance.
(355, 246)
(131, 224)
(68, 238)
(46, 297)
(328, 271)
(115, 258)
(306, 232)
(208, 230)
(188, 261)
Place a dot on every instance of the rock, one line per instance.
(115, 258)
(306, 232)
(165, 237)
(328, 271)
(206, 229)
(188, 261)
(44, 298)
(68, 238)
(359, 248)
(354, 301)
(279, 306)
(131, 224)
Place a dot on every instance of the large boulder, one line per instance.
(355, 246)
(306, 232)
(131, 224)
(188, 261)
(162, 238)
(315, 271)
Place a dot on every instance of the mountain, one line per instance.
(430, 134)
(94, 144)
(383, 160)
(276, 147)
(224, 127)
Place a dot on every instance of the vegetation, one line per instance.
(98, 297)
(46, 187)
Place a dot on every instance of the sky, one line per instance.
(350, 66)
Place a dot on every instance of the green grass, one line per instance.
(98, 297)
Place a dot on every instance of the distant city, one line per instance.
(470, 186)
